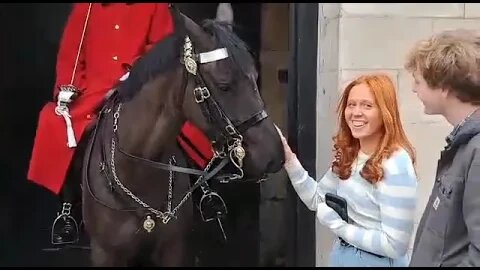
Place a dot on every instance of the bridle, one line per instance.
(227, 139)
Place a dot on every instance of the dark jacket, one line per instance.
(449, 231)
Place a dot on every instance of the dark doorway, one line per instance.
(29, 44)
(302, 125)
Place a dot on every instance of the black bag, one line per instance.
(337, 203)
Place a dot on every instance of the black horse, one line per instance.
(136, 187)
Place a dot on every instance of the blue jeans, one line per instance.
(346, 256)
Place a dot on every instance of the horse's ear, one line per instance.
(225, 14)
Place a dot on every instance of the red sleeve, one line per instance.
(161, 26)
(68, 49)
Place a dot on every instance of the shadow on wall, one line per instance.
(29, 44)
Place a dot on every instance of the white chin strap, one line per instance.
(212, 56)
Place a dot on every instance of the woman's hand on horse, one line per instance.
(289, 155)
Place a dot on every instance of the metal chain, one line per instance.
(158, 213)
(165, 216)
(187, 196)
(170, 183)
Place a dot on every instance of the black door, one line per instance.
(29, 45)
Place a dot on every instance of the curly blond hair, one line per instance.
(449, 60)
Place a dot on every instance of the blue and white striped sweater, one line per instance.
(382, 215)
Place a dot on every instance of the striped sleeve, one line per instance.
(311, 192)
(396, 196)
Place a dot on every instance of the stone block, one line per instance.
(379, 43)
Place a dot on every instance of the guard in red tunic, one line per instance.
(99, 43)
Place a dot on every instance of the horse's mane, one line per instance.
(162, 57)
(165, 55)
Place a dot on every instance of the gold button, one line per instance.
(115, 58)
(117, 26)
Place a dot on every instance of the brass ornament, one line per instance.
(149, 224)
(240, 152)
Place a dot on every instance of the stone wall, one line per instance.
(356, 38)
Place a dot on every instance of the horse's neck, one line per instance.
(151, 120)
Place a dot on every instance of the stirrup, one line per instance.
(64, 220)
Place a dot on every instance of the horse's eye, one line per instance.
(223, 87)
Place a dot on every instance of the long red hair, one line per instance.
(346, 147)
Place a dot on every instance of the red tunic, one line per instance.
(116, 34)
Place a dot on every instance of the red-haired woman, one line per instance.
(373, 170)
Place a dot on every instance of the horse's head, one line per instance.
(222, 97)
